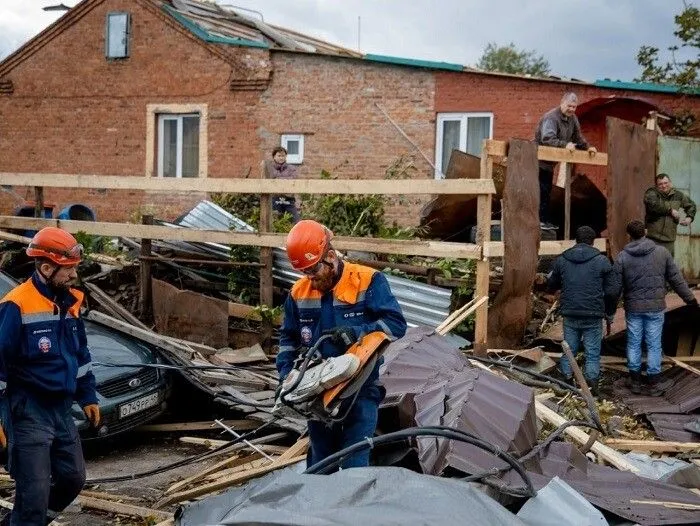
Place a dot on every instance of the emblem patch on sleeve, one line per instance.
(306, 335)
(44, 344)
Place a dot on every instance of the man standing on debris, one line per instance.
(645, 267)
(44, 367)
(589, 293)
(349, 301)
(559, 127)
(279, 169)
(663, 205)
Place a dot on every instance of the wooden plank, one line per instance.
(238, 425)
(298, 448)
(605, 452)
(104, 299)
(495, 249)
(684, 365)
(631, 172)
(250, 186)
(459, 318)
(436, 249)
(483, 236)
(655, 446)
(108, 496)
(145, 285)
(229, 481)
(38, 201)
(548, 153)
(668, 504)
(511, 309)
(266, 285)
(123, 509)
(226, 463)
(250, 354)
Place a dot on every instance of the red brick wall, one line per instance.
(73, 111)
(332, 102)
(518, 104)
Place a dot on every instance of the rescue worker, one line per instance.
(348, 301)
(44, 367)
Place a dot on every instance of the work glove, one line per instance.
(3, 437)
(92, 412)
(342, 336)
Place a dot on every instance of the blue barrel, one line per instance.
(77, 212)
(27, 210)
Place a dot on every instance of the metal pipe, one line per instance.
(246, 442)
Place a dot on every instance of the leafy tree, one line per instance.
(508, 59)
(676, 71)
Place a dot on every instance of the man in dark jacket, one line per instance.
(645, 267)
(559, 128)
(663, 204)
(589, 292)
(45, 365)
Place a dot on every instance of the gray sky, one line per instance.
(588, 40)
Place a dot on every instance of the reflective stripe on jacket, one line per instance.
(43, 345)
(361, 300)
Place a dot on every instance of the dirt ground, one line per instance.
(135, 453)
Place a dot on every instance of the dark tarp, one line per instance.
(352, 497)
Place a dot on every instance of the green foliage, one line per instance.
(676, 70)
(508, 59)
(267, 313)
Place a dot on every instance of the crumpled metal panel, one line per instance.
(448, 392)
(367, 496)
(670, 426)
(558, 503)
(610, 489)
(682, 397)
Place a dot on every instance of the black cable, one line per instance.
(179, 463)
(439, 431)
(508, 365)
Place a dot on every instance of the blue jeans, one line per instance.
(45, 457)
(590, 332)
(649, 327)
(360, 423)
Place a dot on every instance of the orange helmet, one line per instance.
(55, 245)
(307, 243)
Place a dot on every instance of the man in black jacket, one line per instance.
(589, 293)
(645, 268)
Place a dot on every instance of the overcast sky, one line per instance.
(588, 40)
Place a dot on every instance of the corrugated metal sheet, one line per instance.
(447, 391)
(682, 397)
(680, 158)
(671, 426)
(421, 304)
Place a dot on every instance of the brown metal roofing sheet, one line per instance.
(682, 397)
(447, 391)
(668, 426)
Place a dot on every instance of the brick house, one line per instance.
(183, 88)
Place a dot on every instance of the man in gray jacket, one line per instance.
(645, 268)
(559, 128)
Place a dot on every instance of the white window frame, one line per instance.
(284, 141)
(161, 150)
(109, 35)
(463, 119)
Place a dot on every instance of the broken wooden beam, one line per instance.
(123, 509)
(655, 446)
(238, 425)
(227, 482)
(115, 308)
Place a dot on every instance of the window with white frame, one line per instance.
(117, 35)
(178, 145)
(460, 131)
(294, 144)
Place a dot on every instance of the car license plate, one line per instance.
(138, 405)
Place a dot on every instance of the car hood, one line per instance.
(109, 346)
